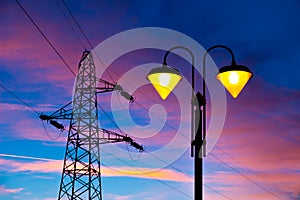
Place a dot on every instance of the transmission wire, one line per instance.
(168, 164)
(18, 98)
(85, 36)
(163, 182)
(250, 170)
(45, 37)
(60, 56)
(216, 191)
(68, 20)
(47, 133)
(245, 176)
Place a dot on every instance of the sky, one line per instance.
(257, 153)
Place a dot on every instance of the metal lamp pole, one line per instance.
(200, 138)
(198, 118)
(196, 139)
(233, 77)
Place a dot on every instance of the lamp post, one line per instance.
(164, 79)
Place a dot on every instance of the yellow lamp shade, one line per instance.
(164, 79)
(234, 78)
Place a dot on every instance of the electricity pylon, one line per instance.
(81, 175)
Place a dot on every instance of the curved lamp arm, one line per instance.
(193, 87)
(204, 61)
(233, 62)
(199, 139)
(193, 61)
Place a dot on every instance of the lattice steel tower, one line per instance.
(81, 178)
(81, 175)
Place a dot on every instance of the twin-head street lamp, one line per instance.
(233, 77)
(164, 79)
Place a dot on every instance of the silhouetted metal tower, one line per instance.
(81, 176)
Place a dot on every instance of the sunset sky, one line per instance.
(257, 155)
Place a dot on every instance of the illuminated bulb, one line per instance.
(164, 79)
(233, 77)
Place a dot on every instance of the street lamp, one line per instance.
(233, 77)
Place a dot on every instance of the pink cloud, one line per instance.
(24, 50)
(55, 166)
(28, 125)
(260, 140)
(262, 151)
(261, 129)
(160, 174)
(36, 166)
(262, 137)
(4, 190)
(154, 193)
(20, 107)
(267, 186)
(33, 129)
(118, 197)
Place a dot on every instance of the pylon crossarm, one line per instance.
(104, 86)
(64, 112)
(113, 137)
(110, 87)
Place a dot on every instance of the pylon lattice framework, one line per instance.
(81, 177)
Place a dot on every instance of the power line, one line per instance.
(77, 23)
(168, 164)
(178, 170)
(48, 159)
(216, 191)
(157, 117)
(163, 182)
(110, 119)
(56, 51)
(147, 174)
(222, 162)
(45, 37)
(273, 194)
(91, 46)
(85, 36)
(18, 98)
(158, 180)
(246, 177)
(47, 133)
(31, 108)
(172, 187)
(69, 22)
(247, 168)
(60, 56)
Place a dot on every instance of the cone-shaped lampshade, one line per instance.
(234, 78)
(164, 79)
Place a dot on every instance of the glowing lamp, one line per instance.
(234, 78)
(164, 79)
